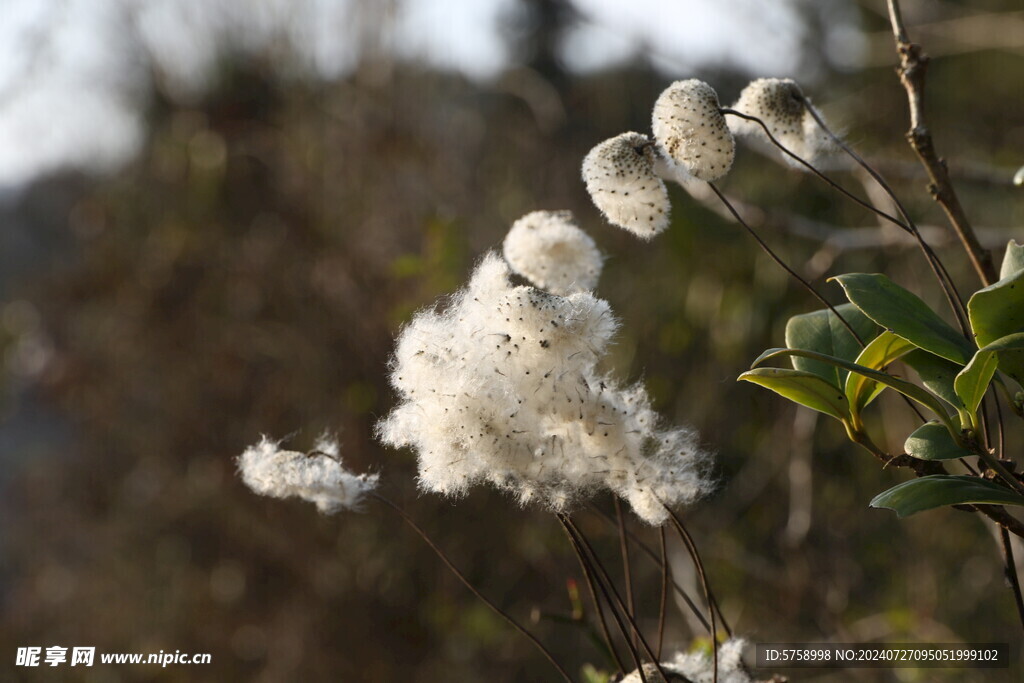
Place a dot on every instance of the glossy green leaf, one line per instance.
(972, 382)
(823, 332)
(904, 314)
(937, 374)
(938, 490)
(883, 349)
(996, 312)
(932, 441)
(1013, 260)
(909, 390)
(806, 388)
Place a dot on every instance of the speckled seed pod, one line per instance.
(776, 101)
(691, 130)
(549, 250)
(781, 105)
(620, 178)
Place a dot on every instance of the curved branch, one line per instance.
(912, 69)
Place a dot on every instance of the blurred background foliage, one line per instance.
(246, 272)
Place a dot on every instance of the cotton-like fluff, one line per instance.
(619, 174)
(501, 387)
(781, 104)
(690, 129)
(549, 250)
(318, 476)
(696, 667)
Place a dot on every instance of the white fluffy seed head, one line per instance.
(691, 131)
(549, 250)
(696, 667)
(318, 476)
(781, 104)
(619, 174)
(502, 387)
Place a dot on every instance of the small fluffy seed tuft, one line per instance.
(552, 252)
(695, 667)
(317, 476)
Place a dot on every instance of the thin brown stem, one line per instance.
(618, 598)
(925, 467)
(951, 294)
(768, 250)
(912, 69)
(922, 468)
(953, 297)
(589, 566)
(810, 167)
(458, 574)
(1011, 572)
(688, 541)
(1000, 428)
(653, 556)
(1000, 469)
(999, 515)
(588, 576)
(624, 551)
(1003, 390)
(907, 224)
(664, 590)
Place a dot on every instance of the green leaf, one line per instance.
(972, 382)
(1010, 342)
(1013, 261)
(932, 441)
(823, 332)
(909, 390)
(937, 374)
(884, 349)
(937, 490)
(806, 388)
(996, 312)
(904, 314)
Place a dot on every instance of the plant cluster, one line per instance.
(501, 383)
